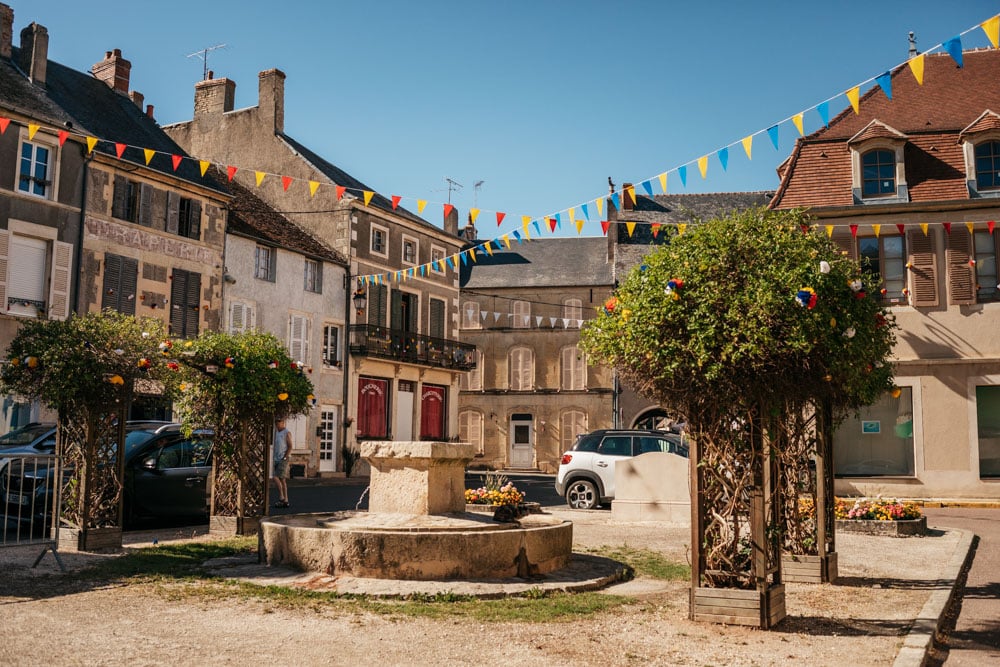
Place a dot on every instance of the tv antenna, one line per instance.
(475, 193)
(203, 54)
(452, 185)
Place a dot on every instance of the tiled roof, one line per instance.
(93, 108)
(252, 217)
(990, 120)
(818, 173)
(550, 262)
(877, 130)
(677, 208)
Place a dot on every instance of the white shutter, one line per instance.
(298, 338)
(237, 317)
(250, 317)
(4, 251)
(59, 285)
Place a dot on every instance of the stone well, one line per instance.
(416, 527)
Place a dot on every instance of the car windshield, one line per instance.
(24, 435)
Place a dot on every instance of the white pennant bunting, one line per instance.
(552, 322)
(538, 320)
(496, 317)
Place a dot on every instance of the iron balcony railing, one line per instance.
(372, 341)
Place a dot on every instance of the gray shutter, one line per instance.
(173, 206)
(127, 285)
(396, 315)
(272, 265)
(178, 302)
(193, 305)
(145, 205)
(111, 295)
(923, 268)
(118, 198)
(436, 328)
(195, 225)
(961, 271)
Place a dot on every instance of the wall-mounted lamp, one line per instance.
(229, 278)
(360, 300)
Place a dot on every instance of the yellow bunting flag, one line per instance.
(473, 214)
(204, 166)
(797, 119)
(992, 29)
(630, 227)
(681, 228)
(876, 229)
(917, 68)
(525, 219)
(747, 145)
(149, 153)
(313, 187)
(852, 97)
(259, 176)
(630, 191)
(600, 205)
(32, 129)
(472, 253)
(923, 226)
(579, 226)
(572, 215)
(703, 165)
(970, 226)
(421, 203)
(91, 142)
(506, 240)
(663, 182)
(368, 196)
(489, 248)
(829, 231)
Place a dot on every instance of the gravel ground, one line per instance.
(861, 621)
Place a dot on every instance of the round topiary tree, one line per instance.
(741, 326)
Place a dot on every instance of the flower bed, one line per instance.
(496, 491)
(876, 509)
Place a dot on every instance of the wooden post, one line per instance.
(697, 521)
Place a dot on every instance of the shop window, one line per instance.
(878, 441)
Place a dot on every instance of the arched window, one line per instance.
(571, 424)
(988, 165)
(522, 369)
(470, 315)
(473, 380)
(572, 312)
(878, 173)
(520, 314)
(470, 428)
(574, 369)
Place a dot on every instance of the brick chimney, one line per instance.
(34, 56)
(113, 70)
(451, 222)
(137, 97)
(6, 30)
(214, 95)
(627, 203)
(271, 97)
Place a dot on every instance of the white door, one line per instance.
(404, 412)
(522, 441)
(328, 429)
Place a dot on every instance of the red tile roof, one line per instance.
(877, 130)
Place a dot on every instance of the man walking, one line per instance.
(282, 448)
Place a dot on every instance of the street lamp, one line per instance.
(360, 299)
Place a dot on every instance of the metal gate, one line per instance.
(30, 498)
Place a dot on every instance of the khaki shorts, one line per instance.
(281, 469)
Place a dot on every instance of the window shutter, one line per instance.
(567, 368)
(923, 269)
(110, 297)
(844, 242)
(145, 205)
(127, 285)
(62, 263)
(436, 329)
(396, 315)
(297, 337)
(961, 271)
(173, 208)
(4, 252)
(118, 198)
(251, 317)
(237, 317)
(272, 264)
(178, 302)
(193, 315)
(195, 224)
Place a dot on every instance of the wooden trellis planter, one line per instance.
(239, 474)
(762, 609)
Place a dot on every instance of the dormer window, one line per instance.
(981, 145)
(878, 173)
(987, 156)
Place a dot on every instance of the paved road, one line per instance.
(975, 639)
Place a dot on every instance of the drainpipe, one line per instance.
(348, 293)
(79, 241)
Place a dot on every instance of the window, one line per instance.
(574, 369)
(34, 272)
(265, 263)
(133, 201)
(185, 302)
(409, 251)
(298, 337)
(470, 428)
(33, 176)
(987, 287)
(313, 279)
(571, 424)
(520, 314)
(883, 265)
(183, 216)
(437, 257)
(878, 173)
(435, 328)
(987, 156)
(242, 317)
(470, 315)
(473, 380)
(120, 275)
(328, 423)
(378, 305)
(877, 441)
(572, 313)
(988, 423)
(380, 241)
(331, 345)
(522, 369)
(616, 445)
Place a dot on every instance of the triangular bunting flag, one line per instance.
(538, 229)
(630, 227)
(876, 229)
(448, 208)
(902, 228)
(421, 203)
(923, 227)
(451, 263)
(954, 48)
(285, 182)
(473, 214)
(552, 224)
(63, 136)
(747, 145)
(681, 228)
(648, 187)
(797, 120)
(990, 225)
(823, 109)
(506, 240)
(600, 205)
(773, 133)
(630, 191)
(395, 201)
(231, 171)
(579, 226)
(340, 191)
(176, 161)
(313, 187)
(884, 82)
(538, 320)
(4, 122)
(971, 227)
(500, 216)
(683, 172)
(604, 227)
(852, 97)
(368, 194)
(655, 228)
(258, 177)
(552, 322)
(663, 186)
(465, 258)
(703, 165)
(33, 130)
(572, 214)
(524, 223)
(616, 200)
(489, 248)
(947, 227)
(558, 221)
(517, 235)
(148, 153)
(92, 141)
(829, 231)
(723, 157)
(119, 149)
(917, 68)
(992, 29)
(586, 211)
(472, 254)
(854, 231)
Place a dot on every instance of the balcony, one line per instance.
(411, 348)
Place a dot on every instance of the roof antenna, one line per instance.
(913, 45)
(611, 185)
(203, 54)
(475, 193)
(452, 185)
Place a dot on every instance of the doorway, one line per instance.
(522, 440)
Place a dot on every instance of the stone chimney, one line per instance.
(6, 30)
(34, 52)
(214, 95)
(271, 98)
(114, 71)
(149, 111)
(137, 97)
(451, 222)
(627, 203)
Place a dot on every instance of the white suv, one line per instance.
(586, 475)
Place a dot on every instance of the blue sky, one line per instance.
(542, 101)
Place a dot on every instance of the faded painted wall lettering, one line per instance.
(134, 238)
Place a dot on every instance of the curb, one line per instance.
(919, 641)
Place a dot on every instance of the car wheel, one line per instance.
(581, 494)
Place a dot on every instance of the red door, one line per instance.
(432, 412)
(373, 403)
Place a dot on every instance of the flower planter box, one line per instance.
(903, 528)
(232, 525)
(533, 508)
(90, 539)
(803, 569)
(735, 606)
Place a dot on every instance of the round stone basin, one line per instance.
(418, 546)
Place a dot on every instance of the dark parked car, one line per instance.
(31, 434)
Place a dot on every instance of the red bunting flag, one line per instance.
(552, 224)
(947, 227)
(231, 171)
(176, 160)
(655, 228)
(395, 201)
(902, 228)
(500, 217)
(340, 191)
(604, 227)
(990, 225)
(285, 182)
(4, 122)
(119, 149)
(854, 231)
(63, 136)
(448, 208)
